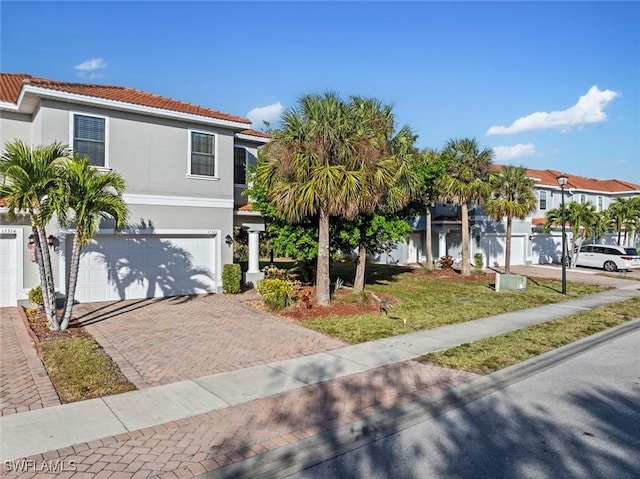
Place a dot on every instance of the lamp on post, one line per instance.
(562, 181)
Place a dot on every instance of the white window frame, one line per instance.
(542, 193)
(600, 203)
(72, 114)
(215, 176)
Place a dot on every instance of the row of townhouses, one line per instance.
(185, 168)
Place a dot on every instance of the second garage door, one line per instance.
(132, 266)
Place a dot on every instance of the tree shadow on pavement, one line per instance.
(500, 435)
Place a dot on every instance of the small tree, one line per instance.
(580, 216)
(30, 176)
(87, 196)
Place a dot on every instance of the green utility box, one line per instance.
(510, 282)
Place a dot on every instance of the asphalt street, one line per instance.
(577, 419)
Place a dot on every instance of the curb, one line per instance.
(315, 450)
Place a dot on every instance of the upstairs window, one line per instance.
(239, 166)
(583, 199)
(543, 200)
(599, 203)
(202, 154)
(89, 135)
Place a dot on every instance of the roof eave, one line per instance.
(121, 106)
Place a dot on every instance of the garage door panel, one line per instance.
(8, 270)
(143, 266)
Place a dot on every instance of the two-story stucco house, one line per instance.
(184, 166)
(530, 245)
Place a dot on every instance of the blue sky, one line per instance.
(545, 84)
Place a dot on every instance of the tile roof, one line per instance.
(12, 83)
(548, 178)
(259, 134)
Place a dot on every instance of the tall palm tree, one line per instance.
(397, 193)
(465, 183)
(431, 165)
(328, 159)
(87, 196)
(29, 176)
(511, 197)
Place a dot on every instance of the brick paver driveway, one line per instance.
(160, 341)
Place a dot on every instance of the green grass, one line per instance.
(425, 302)
(80, 369)
(492, 354)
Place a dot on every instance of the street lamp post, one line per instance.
(562, 181)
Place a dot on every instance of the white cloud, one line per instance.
(90, 68)
(269, 113)
(589, 109)
(504, 153)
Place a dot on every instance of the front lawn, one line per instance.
(424, 300)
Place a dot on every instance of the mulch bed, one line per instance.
(38, 325)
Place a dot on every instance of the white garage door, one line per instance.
(145, 266)
(494, 250)
(7, 270)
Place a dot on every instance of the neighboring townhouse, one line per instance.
(184, 166)
(530, 245)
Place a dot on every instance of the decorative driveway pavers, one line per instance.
(24, 384)
(189, 447)
(161, 341)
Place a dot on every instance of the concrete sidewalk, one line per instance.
(109, 431)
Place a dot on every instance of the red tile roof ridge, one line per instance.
(119, 93)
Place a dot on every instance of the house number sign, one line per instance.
(8, 231)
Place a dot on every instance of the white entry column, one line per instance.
(253, 274)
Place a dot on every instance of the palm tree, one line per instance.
(431, 166)
(87, 196)
(395, 194)
(465, 182)
(512, 197)
(581, 216)
(29, 176)
(328, 159)
(620, 211)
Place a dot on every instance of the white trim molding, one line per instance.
(124, 106)
(189, 201)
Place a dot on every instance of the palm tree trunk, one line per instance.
(465, 269)
(507, 258)
(358, 284)
(428, 250)
(323, 294)
(47, 283)
(73, 280)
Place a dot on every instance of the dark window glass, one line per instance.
(89, 138)
(586, 249)
(543, 200)
(240, 166)
(202, 154)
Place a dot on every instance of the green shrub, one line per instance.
(35, 296)
(275, 293)
(231, 278)
(477, 262)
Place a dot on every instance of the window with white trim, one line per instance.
(599, 203)
(202, 154)
(89, 138)
(543, 200)
(240, 165)
(583, 199)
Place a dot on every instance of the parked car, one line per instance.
(607, 257)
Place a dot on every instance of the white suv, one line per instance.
(609, 258)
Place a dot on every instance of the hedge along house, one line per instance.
(530, 245)
(179, 162)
